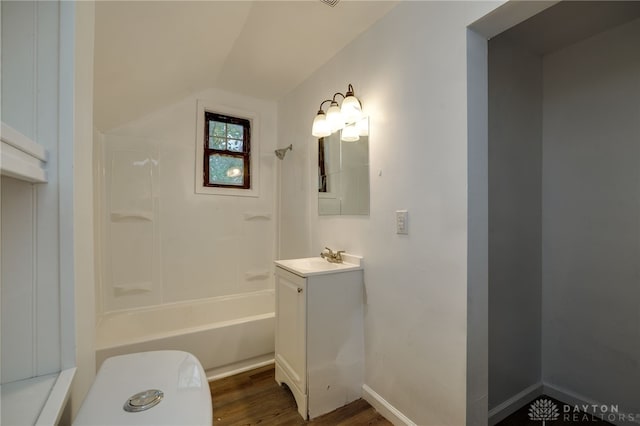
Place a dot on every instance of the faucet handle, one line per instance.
(325, 255)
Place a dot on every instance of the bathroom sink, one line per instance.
(317, 266)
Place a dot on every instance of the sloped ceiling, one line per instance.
(149, 54)
(571, 21)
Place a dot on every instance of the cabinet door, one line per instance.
(291, 327)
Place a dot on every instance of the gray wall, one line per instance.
(591, 211)
(478, 232)
(515, 140)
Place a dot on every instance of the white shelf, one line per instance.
(20, 157)
(257, 215)
(36, 401)
(129, 216)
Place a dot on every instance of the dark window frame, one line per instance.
(322, 167)
(245, 154)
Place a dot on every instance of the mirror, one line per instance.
(343, 173)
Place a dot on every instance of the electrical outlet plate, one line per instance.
(402, 227)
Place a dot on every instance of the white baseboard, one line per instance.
(571, 398)
(383, 407)
(239, 367)
(514, 403)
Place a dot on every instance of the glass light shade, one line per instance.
(334, 117)
(363, 126)
(320, 127)
(351, 109)
(350, 133)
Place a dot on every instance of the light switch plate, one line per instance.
(402, 226)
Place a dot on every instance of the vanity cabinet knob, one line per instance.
(299, 290)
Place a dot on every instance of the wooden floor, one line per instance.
(254, 398)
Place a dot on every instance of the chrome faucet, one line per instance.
(332, 256)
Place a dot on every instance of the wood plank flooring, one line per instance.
(254, 398)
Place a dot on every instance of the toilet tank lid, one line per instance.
(179, 375)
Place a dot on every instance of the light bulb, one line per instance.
(350, 133)
(351, 109)
(334, 117)
(320, 127)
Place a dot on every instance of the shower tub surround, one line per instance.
(227, 334)
(170, 273)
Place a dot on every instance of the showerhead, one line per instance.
(280, 153)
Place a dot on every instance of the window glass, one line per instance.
(226, 170)
(227, 151)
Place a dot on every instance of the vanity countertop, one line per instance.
(308, 266)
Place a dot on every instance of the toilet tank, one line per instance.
(178, 391)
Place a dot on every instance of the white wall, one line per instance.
(202, 245)
(591, 193)
(515, 219)
(31, 287)
(50, 223)
(18, 280)
(409, 70)
(82, 183)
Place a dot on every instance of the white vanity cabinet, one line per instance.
(319, 349)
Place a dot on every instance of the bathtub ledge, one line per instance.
(240, 367)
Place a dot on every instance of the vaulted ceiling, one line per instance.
(149, 54)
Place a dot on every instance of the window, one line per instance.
(227, 151)
(227, 148)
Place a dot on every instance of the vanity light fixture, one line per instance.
(363, 127)
(350, 133)
(334, 115)
(321, 127)
(339, 117)
(351, 109)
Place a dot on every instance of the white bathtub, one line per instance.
(227, 334)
